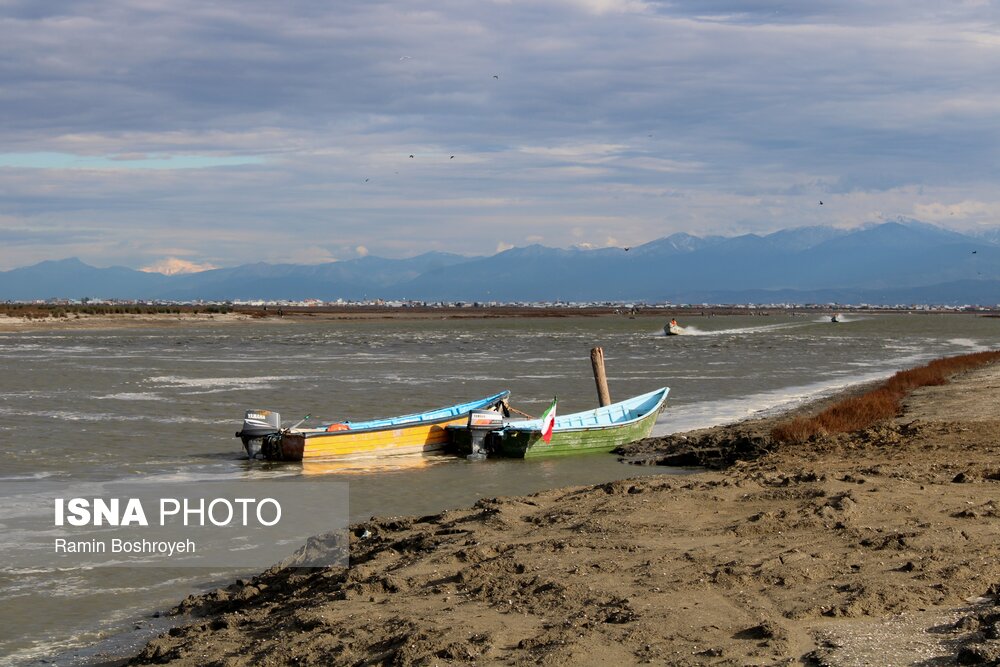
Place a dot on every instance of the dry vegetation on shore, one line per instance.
(856, 413)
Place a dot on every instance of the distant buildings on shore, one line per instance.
(622, 307)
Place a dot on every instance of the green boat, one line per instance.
(598, 430)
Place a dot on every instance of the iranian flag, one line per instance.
(549, 421)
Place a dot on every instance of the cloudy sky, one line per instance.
(195, 133)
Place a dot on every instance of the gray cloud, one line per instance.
(570, 121)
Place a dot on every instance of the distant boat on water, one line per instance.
(673, 329)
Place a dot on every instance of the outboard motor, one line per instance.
(258, 424)
(481, 424)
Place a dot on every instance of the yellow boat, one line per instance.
(263, 436)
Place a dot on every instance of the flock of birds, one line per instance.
(451, 157)
(497, 77)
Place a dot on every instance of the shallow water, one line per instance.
(163, 404)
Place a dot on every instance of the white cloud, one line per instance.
(173, 265)
(608, 6)
(979, 212)
(309, 254)
(575, 151)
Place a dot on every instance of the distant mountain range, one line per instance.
(890, 263)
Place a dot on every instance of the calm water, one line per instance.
(163, 404)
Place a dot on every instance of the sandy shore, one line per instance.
(880, 548)
(119, 321)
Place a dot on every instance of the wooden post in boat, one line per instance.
(597, 361)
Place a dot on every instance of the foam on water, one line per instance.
(40, 570)
(131, 396)
(972, 345)
(680, 417)
(74, 416)
(465, 377)
(31, 477)
(225, 383)
(67, 650)
(19, 347)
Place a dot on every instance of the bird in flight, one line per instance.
(496, 76)
(626, 249)
(452, 157)
(821, 203)
(411, 156)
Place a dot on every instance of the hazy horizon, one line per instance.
(175, 266)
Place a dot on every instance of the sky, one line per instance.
(179, 135)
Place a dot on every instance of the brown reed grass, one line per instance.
(881, 403)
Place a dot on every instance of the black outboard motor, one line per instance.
(481, 424)
(258, 424)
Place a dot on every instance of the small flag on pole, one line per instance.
(549, 421)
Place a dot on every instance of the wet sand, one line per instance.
(119, 321)
(877, 548)
(85, 322)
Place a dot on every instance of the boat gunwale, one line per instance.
(597, 427)
(486, 402)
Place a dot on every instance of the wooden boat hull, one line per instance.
(409, 434)
(407, 440)
(529, 444)
(526, 441)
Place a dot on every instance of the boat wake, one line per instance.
(695, 331)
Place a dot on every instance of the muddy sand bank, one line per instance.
(86, 322)
(878, 548)
(12, 321)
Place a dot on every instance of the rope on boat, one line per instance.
(508, 407)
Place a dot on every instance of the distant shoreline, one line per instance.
(70, 318)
